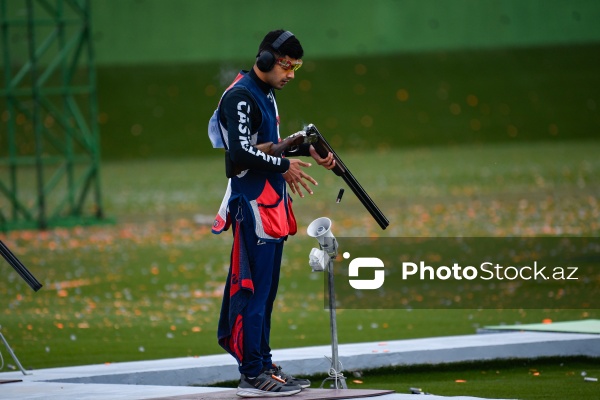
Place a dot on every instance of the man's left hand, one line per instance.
(327, 162)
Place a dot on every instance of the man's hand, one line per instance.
(295, 177)
(327, 162)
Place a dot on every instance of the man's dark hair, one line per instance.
(291, 47)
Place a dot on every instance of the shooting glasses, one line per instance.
(289, 65)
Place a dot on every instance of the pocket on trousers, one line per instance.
(273, 214)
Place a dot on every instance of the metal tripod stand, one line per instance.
(321, 260)
(335, 370)
(12, 353)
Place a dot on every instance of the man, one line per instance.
(259, 209)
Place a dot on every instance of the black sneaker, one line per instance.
(265, 385)
(289, 379)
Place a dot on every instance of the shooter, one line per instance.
(259, 209)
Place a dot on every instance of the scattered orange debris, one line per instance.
(72, 283)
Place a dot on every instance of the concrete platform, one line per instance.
(582, 326)
(173, 377)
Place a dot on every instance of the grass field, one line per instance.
(540, 379)
(149, 286)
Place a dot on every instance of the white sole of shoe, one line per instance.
(249, 392)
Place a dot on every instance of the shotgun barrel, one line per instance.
(323, 149)
(19, 267)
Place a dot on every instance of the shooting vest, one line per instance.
(265, 193)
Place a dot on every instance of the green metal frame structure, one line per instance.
(49, 137)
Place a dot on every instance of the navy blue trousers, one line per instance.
(265, 264)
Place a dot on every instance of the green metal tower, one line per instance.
(49, 139)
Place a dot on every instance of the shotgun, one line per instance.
(312, 135)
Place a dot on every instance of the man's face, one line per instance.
(283, 72)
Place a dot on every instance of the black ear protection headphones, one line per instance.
(266, 59)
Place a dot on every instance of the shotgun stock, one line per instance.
(273, 149)
(323, 148)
